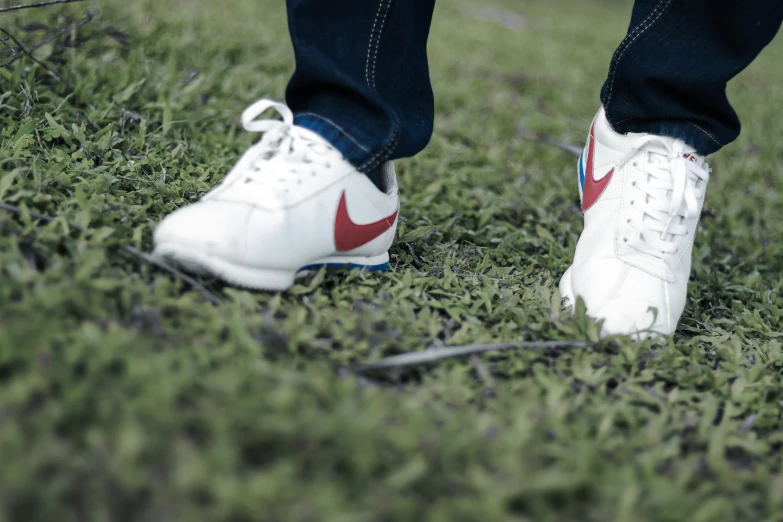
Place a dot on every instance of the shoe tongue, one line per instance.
(312, 136)
(290, 142)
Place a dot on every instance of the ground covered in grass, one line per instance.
(126, 395)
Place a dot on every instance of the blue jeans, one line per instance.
(362, 77)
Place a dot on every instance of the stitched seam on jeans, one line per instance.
(333, 124)
(628, 42)
(705, 132)
(369, 44)
(378, 41)
(630, 39)
(383, 153)
(383, 157)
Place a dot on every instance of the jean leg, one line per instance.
(669, 75)
(362, 76)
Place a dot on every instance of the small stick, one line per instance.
(36, 4)
(550, 140)
(24, 50)
(88, 16)
(449, 352)
(416, 261)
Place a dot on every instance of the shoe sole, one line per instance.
(198, 263)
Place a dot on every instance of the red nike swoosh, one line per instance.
(593, 188)
(348, 235)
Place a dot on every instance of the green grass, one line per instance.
(124, 396)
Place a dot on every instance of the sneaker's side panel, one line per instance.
(633, 292)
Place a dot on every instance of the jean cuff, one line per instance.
(689, 132)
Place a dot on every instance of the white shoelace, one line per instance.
(674, 186)
(286, 153)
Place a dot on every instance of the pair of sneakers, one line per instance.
(293, 202)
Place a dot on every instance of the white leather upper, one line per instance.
(276, 208)
(618, 269)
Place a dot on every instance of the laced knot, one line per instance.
(673, 181)
(286, 153)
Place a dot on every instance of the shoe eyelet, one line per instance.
(633, 183)
(625, 240)
(632, 202)
(628, 220)
(635, 164)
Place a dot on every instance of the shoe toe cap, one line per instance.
(209, 227)
(629, 301)
(639, 318)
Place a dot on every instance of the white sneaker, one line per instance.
(290, 203)
(642, 196)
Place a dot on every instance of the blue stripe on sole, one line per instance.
(384, 267)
